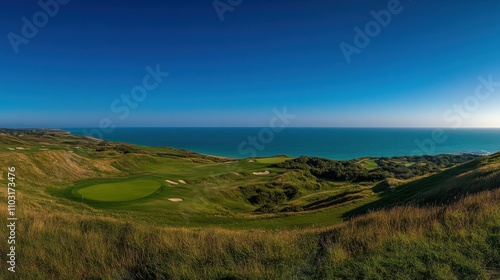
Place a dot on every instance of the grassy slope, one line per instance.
(62, 238)
(210, 198)
(444, 187)
(458, 241)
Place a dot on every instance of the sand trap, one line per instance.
(251, 160)
(262, 173)
(12, 149)
(20, 148)
(44, 149)
(182, 182)
(176, 199)
(171, 182)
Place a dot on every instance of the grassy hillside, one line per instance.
(90, 209)
(457, 241)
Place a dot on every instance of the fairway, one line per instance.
(271, 160)
(121, 191)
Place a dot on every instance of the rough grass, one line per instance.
(459, 241)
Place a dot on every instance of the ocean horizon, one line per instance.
(331, 143)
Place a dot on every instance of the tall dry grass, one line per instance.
(457, 241)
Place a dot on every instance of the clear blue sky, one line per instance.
(263, 55)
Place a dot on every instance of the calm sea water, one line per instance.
(333, 143)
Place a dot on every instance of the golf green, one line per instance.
(121, 191)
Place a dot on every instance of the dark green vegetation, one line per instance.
(379, 168)
(297, 222)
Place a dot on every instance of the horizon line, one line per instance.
(346, 127)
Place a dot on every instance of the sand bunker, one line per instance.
(176, 199)
(20, 148)
(251, 160)
(12, 149)
(182, 182)
(171, 182)
(262, 173)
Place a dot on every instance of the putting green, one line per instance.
(121, 191)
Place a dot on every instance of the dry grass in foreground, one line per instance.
(458, 241)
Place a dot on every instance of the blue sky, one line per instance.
(263, 55)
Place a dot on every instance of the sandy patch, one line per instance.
(95, 139)
(176, 199)
(182, 182)
(171, 182)
(20, 148)
(12, 149)
(251, 160)
(262, 173)
(44, 149)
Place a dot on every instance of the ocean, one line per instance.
(332, 143)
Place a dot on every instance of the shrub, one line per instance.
(291, 191)
(266, 208)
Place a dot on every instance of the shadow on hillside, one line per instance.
(381, 187)
(333, 200)
(426, 191)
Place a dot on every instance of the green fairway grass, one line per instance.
(270, 160)
(369, 164)
(122, 191)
